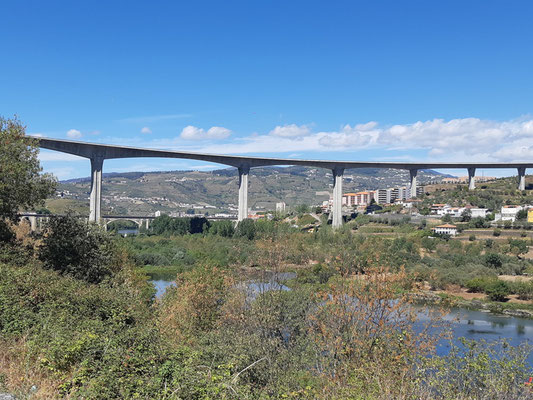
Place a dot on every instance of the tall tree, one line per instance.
(22, 185)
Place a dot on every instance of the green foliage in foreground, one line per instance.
(120, 346)
(75, 248)
(21, 183)
(208, 338)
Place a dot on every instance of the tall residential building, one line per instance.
(390, 195)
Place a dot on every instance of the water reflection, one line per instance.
(473, 325)
(161, 286)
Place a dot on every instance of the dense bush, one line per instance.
(222, 228)
(246, 229)
(524, 290)
(72, 247)
(497, 290)
(179, 226)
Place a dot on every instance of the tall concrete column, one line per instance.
(337, 198)
(413, 173)
(521, 178)
(471, 178)
(147, 223)
(243, 192)
(96, 189)
(33, 223)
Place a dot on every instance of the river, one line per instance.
(465, 323)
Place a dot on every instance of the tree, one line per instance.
(372, 207)
(493, 260)
(521, 215)
(246, 228)
(21, 183)
(302, 208)
(72, 247)
(466, 215)
(497, 290)
(447, 218)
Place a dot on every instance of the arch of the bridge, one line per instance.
(97, 153)
(106, 221)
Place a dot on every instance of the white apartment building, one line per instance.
(390, 195)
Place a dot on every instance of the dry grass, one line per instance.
(21, 377)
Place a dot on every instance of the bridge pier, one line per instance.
(521, 178)
(471, 178)
(146, 223)
(337, 197)
(33, 223)
(413, 173)
(243, 192)
(96, 189)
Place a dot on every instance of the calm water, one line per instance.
(466, 323)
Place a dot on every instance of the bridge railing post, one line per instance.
(244, 171)
(337, 198)
(95, 199)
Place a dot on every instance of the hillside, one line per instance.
(216, 191)
(491, 195)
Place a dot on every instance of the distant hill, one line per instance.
(215, 191)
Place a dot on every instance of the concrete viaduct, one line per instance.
(97, 153)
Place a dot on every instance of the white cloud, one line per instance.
(193, 133)
(146, 130)
(74, 134)
(465, 139)
(291, 130)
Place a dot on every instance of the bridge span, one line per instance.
(97, 153)
(33, 219)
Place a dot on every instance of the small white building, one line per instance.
(446, 229)
(479, 212)
(280, 207)
(452, 211)
(508, 213)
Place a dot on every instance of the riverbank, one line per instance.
(518, 310)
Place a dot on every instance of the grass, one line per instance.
(163, 272)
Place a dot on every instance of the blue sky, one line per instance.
(382, 80)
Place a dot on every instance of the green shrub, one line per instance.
(479, 285)
(493, 260)
(72, 247)
(246, 229)
(472, 238)
(524, 290)
(222, 228)
(497, 290)
(496, 232)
